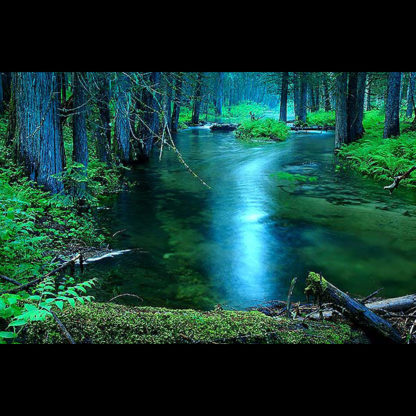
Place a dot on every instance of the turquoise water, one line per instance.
(241, 242)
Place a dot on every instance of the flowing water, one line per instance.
(242, 242)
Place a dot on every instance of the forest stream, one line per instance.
(241, 242)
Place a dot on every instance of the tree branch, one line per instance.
(398, 179)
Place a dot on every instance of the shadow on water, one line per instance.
(241, 242)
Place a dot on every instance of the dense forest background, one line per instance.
(55, 121)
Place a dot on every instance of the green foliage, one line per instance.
(100, 323)
(321, 119)
(382, 158)
(20, 309)
(293, 177)
(34, 226)
(239, 113)
(268, 129)
(234, 114)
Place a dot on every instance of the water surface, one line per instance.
(242, 242)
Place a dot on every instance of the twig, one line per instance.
(39, 279)
(118, 232)
(411, 332)
(63, 329)
(292, 286)
(126, 295)
(365, 300)
(8, 279)
(398, 179)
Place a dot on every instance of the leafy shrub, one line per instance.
(321, 119)
(382, 158)
(234, 114)
(263, 129)
(23, 308)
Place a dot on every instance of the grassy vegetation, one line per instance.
(234, 114)
(264, 129)
(321, 119)
(380, 158)
(99, 323)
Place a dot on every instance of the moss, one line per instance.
(103, 323)
(316, 285)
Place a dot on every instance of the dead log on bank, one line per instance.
(322, 290)
(401, 304)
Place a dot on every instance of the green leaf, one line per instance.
(18, 323)
(8, 335)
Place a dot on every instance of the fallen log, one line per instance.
(322, 290)
(393, 305)
(224, 127)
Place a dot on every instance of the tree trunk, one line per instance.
(362, 82)
(303, 97)
(103, 131)
(152, 107)
(283, 96)
(79, 126)
(341, 128)
(39, 139)
(296, 95)
(327, 98)
(197, 99)
(392, 123)
(122, 122)
(411, 95)
(355, 105)
(11, 125)
(2, 106)
(177, 102)
(219, 94)
(168, 101)
(7, 86)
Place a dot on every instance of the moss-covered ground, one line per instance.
(106, 323)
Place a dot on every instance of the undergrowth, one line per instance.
(263, 129)
(380, 158)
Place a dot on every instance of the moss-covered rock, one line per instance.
(104, 323)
